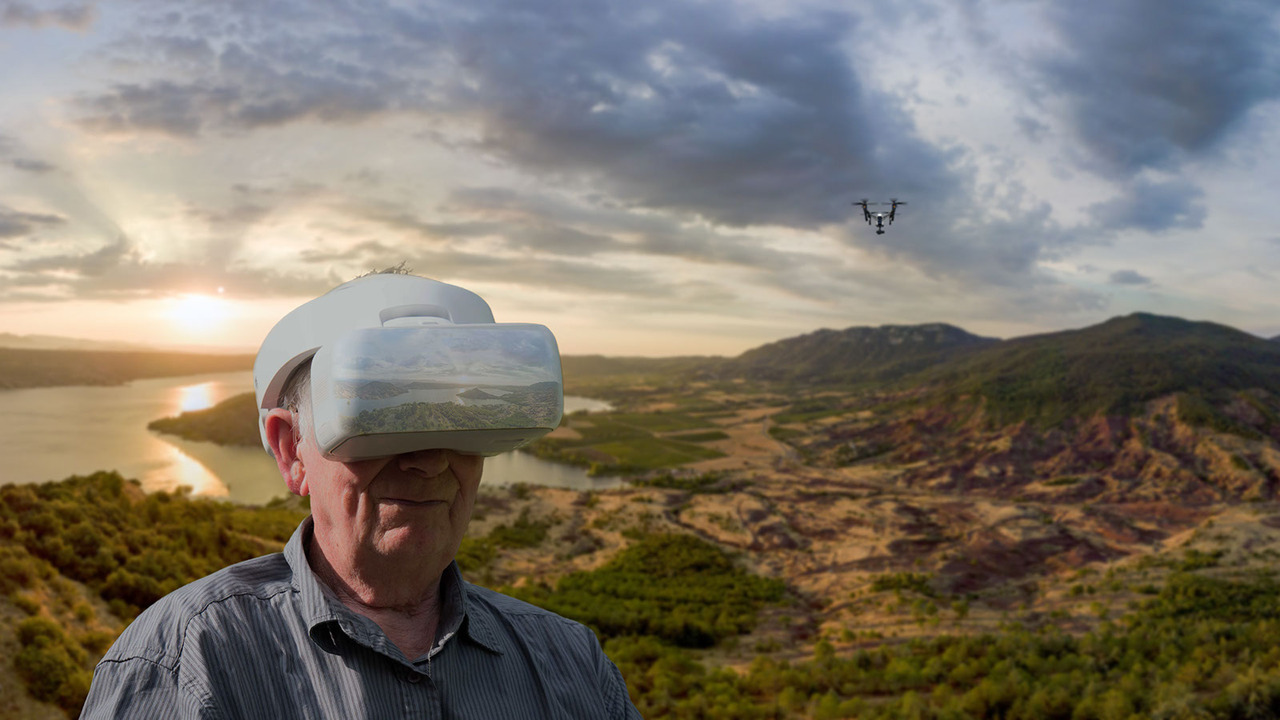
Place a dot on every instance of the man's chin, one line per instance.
(414, 540)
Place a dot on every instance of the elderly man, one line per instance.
(365, 614)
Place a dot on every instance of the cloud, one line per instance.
(70, 17)
(1148, 83)
(32, 166)
(1129, 277)
(369, 252)
(96, 263)
(119, 270)
(14, 223)
(700, 108)
(1152, 206)
(249, 83)
(697, 132)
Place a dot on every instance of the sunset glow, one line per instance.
(199, 315)
(646, 180)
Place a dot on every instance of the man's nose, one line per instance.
(427, 462)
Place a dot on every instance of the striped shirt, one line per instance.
(264, 639)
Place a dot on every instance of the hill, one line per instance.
(233, 421)
(56, 342)
(945, 546)
(26, 368)
(856, 354)
(1113, 368)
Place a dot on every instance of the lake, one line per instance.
(52, 433)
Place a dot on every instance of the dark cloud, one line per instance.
(32, 166)
(71, 17)
(1152, 206)
(1151, 82)
(261, 76)
(163, 106)
(728, 122)
(546, 222)
(698, 108)
(1129, 277)
(238, 216)
(14, 223)
(93, 264)
(701, 108)
(1032, 128)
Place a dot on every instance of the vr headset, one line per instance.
(394, 371)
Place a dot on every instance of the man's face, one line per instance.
(411, 508)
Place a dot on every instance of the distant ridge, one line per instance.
(58, 342)
(1111, 368)
(55, 342)
(857, 354)
(23, 368)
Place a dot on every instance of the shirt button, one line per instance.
(413, 678)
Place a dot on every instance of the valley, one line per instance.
(877, 538)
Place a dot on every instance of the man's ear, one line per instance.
(284, 438)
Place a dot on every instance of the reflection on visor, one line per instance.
(475, 388)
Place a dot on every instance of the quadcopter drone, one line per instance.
(880, 216)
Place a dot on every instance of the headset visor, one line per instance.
(481, 389)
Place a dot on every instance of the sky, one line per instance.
(645, 178)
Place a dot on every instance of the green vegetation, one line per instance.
(49, 368)
(615, 443)
(677, 588)
(233, 421)
(912, 582)
(699, 483)
(130, 547)
(855, 355)
(811, 409)
(701, 437)
(1203, 648)
(1197, 411)
(784, 434)
(1199, 647)
(125, 548)
(1113, 368)
(52, 665)
(476, 554)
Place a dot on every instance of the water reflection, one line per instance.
(195, 397)
(181, 470)
(52, 433)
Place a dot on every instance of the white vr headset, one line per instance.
(401, 363)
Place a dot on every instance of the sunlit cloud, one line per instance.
(693, 164)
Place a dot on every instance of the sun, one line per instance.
(198, 314)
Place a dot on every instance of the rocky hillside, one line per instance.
(1139, 408)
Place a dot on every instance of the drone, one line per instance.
(880, 216)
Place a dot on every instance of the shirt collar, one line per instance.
(475, 619)
(313, 600)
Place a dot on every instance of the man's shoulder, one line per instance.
(161, 629)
